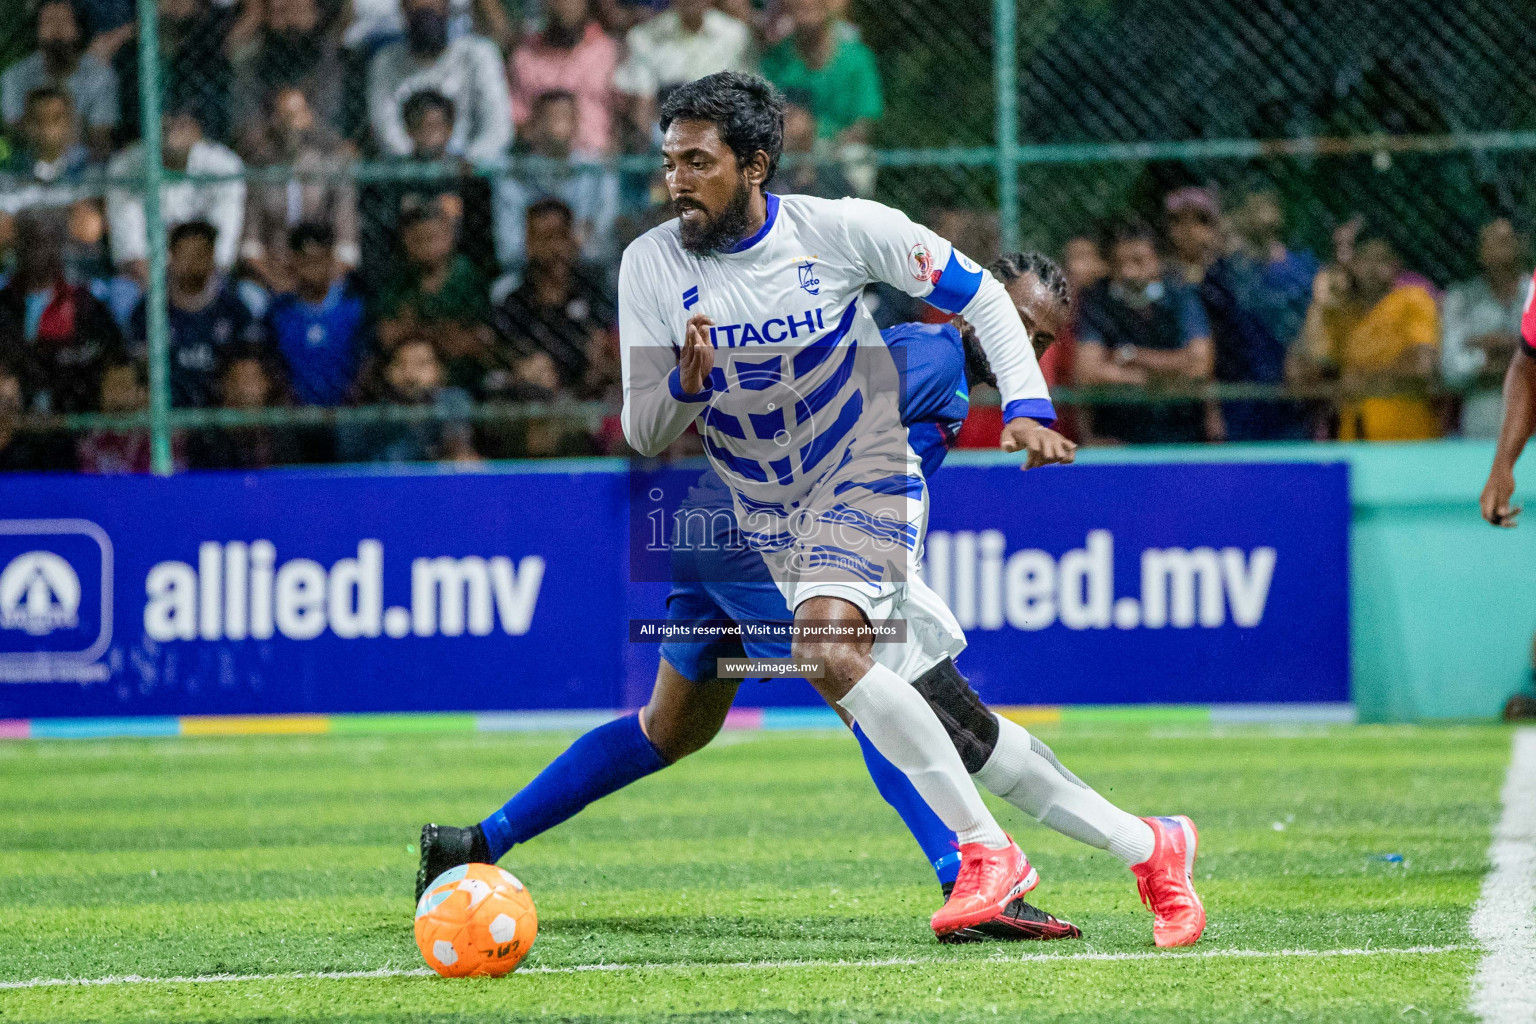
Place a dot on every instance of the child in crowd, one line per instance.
(413, 375)
(123, 390)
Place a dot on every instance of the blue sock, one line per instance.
(604, 760)
(938, 842)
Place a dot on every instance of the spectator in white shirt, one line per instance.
(689, 40)
(468, 70)
(1481, 325)
(221, 204)
(296, 138)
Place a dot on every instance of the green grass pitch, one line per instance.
(761, 880)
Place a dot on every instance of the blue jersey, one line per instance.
(321, 344)
(199, 340)
(934, 394)
(725, 579)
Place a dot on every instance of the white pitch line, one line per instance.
(1504, 920)
(750, 965)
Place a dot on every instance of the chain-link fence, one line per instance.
(1435, 77)
(395, 224)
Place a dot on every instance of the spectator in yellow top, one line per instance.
(1372, 326)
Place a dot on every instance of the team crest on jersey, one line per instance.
(808, 279)
(920, 263)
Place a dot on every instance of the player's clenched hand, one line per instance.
(1495, 501)
(697, 357)
(1044, 445)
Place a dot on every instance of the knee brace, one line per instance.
(971, 726)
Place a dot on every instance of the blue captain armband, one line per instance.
(956, 285)
(1039, 409)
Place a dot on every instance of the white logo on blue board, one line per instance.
(808, 279)
(39, 593)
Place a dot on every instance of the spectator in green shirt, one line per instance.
(438, 294)
(824, 58)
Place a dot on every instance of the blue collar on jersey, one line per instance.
(772, 202)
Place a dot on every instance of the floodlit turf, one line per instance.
(762, 880)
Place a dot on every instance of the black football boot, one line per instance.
(444, 847)
(1017, 922)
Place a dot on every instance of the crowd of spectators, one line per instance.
(486, 276)
(1216, 294)
(478, 267)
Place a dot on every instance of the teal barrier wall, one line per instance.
(1442, 604)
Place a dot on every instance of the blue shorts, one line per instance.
(696, 602)
(724, 579)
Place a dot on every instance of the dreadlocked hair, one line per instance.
(977, 369)
(1008, 268)
(1011, 266)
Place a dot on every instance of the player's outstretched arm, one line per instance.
(1519, 422)
(657, 405)
(908, 256)
(1027, 409)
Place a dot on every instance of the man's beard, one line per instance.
(189, 284)
(722, 232)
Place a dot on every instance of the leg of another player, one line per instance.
(682, 717)
(1021, 769)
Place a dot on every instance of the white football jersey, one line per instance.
(800, 367)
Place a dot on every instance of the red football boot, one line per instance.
(1166, 885)
(988, 881)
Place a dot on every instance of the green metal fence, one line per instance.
(1030, 124)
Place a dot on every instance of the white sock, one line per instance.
(901, 725)
(1023, 771)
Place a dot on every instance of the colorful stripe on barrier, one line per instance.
(739, 719)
